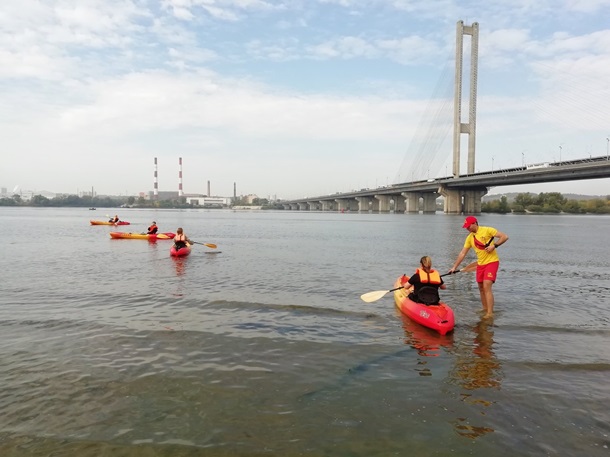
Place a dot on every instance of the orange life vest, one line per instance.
(428, 278)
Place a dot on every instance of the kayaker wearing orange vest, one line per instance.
(180, 239)
(426, 282)
(152, 230)
(482, 240)
(114, 219)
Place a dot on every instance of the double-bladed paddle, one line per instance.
(376, 295)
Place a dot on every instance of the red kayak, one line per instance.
(437, 317)
(109, 223)
(182, 252)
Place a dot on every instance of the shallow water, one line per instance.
(263, 347)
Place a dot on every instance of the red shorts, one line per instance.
(487, 272)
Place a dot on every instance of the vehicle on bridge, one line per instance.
(538, 165)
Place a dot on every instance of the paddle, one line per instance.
(210, 245)
(376, 295)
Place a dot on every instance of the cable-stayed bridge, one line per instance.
(469, 188)
(462, 192)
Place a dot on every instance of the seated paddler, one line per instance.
(426, 282)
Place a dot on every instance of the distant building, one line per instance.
(208, 202)
(165, 195)
(250, 198)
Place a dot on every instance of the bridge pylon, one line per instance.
(469, 128)
(453, 198)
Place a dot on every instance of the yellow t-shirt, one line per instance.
(477, 241)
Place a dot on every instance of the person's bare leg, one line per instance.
(489, 298)
(483, 296)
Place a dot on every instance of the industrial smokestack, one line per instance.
(180, 193)
(155, 183)
(234, 191)
(209, 194)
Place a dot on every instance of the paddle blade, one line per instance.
(373, 296)
(209, 245)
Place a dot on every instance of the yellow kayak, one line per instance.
(142, 236)
(92, 222)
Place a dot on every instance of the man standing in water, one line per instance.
(481, 239)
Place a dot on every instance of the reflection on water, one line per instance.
(470, 431)
(477, 369)
(427, 342)
(485, 368)
(179, 264)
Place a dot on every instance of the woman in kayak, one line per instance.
(180, 239)
(114, 219)
(152, 230)
(426, 282)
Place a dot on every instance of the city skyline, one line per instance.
(290, 98)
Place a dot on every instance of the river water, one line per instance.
(263, 346)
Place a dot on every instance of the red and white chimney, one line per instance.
(180, 192)
(156, 183)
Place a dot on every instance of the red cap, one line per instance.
(469, 221)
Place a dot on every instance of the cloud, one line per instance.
(224, 10)
(254, 90)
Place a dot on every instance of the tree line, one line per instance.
(66, 200)
(87, 201)
(547, 203)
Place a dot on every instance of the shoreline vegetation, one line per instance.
(523, 203)
(547, 203)
(93, 203)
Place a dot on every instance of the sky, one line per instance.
(292, 98)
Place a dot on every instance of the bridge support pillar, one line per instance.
(453, 200)
(383, 203)
(346, 204)
(399, 203)
(472, 200)
(294, 207)
(411, 201)
(314, 206)
(327, 205)
(364, 204)
(430, 202)
(303, 206)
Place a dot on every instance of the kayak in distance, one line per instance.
(182, 252)
(438, 317)
(109, 223)
(142, 236)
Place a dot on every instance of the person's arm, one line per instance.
(502, 238)
(459, 259)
